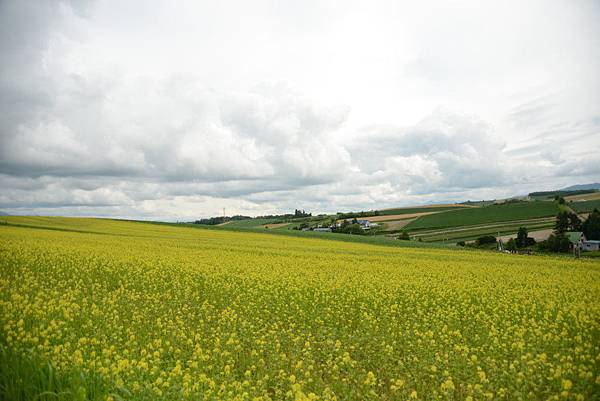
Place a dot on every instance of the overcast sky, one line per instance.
(175, 110)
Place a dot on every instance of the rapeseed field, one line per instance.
(133, 311)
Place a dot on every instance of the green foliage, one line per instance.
(489, 214)
(352, 228)
(350, 215)
(591, 226)
(404, 236)
(24, 377)
(511, 245)
(521, 240)
(486, 239)
(567, 221)
(556, 243)
(211, 221)
(585, 206)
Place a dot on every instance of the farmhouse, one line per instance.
(364, 224)
(590, 245)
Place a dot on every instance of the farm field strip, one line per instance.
(420, 209)
(584, 197)
(472, 235)
(486, 227)
(587, 206)
(394, 217)
(486, 215)
(179, 313)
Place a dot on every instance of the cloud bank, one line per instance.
(106, 118)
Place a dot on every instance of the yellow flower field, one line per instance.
(159, 312)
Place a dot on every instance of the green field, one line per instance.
(488, 214)
(468, 233)
(412, 210)
(586, 206)
(250, 223)
(109, 310)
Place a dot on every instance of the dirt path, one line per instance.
(397, 224)
(538, 235)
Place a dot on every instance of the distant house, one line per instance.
(322, 229)
(591, 245)
(364, 224)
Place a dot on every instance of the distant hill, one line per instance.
(580, 187)
(3, 214)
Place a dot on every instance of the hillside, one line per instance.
(586, 206)
(518, 211)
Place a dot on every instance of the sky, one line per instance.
(176, 110)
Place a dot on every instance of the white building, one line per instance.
(590, 245)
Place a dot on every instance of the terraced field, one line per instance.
(585, 207)
(485, 215)
(421, 209)
(109, 310)
(468, 233)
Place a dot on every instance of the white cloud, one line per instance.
(177, 110)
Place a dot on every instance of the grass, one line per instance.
(488, 214)
(422, 209)
(26, 377)
(250, 223)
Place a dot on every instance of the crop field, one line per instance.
(467, 233)
(250, 223)
(421, 209)
(111, 310)
(488, 214)
(585, 206)
(584, 197)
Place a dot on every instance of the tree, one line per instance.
(404, 236)
(591, 226)
(562, 223)
(521, 241)
(566, 221)
(486, 239)
(511, 245)
(574, 222)
(556, 243)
